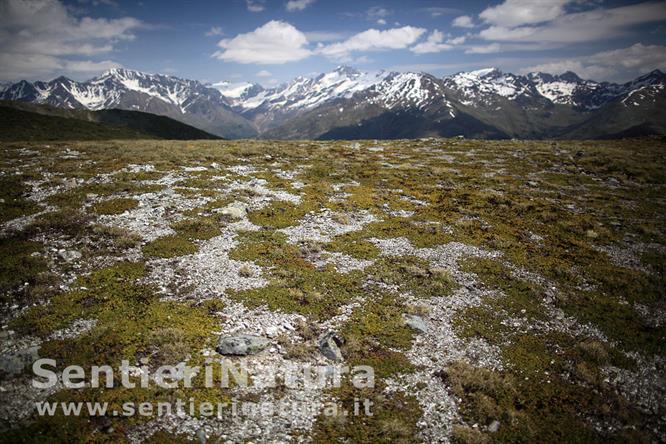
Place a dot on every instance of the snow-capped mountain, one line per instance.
(350, 103)
(645, 90)
(407, 90)
(306, 93)
(569, 89)
(237, 91)
(482, 86)
(188, 101)
(483, 103)
(269, 108)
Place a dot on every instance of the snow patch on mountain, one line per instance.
(479, 86)
(412, 90)
(233, 90)
(307, 93)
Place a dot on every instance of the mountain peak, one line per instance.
(652, 77)
(61, 79)
(346, 70)
(118, 71)
(485, 72)
(570, 76)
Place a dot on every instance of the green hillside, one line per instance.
(25, 121)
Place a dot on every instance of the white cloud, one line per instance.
(255, 5)
(583, 70)
(264, 73)
(464, 21)
(437, 11)
(484, 49)
(41, 37)
(87, 66)
(275, 42)
(298, 5)
(457, 40)
(381, 22)
(434, 43)
(623, 63)
(595, 24)
(325, 36)
(374, 40)
(523, 12)
(215, 30)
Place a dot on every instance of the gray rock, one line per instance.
(494, 426)
(201, 436)
(329, 345)
(241, 345)
(272, 331)
(233, 212)
(14, 363)
(416, 322)
(69, 256)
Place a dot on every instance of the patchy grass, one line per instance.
(394, 418)
(170, 246)
(197, 228)
(295, 285)
(115, 206)
(19, 266)
(414, 275)
(13, 202)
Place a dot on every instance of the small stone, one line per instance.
(271, 331)
(288, 326)
(494, 426)
(241, 345)
(416, 322)
(591, 234)
(533, 183)
(329, 346)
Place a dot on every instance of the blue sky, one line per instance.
(272, 41)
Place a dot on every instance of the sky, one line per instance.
(273, 41)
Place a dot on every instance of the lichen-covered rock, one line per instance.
(416, 322)
(233, 212)
(241, 345)
(329, 345)
(14, 363)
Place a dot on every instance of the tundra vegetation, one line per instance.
(508, 291)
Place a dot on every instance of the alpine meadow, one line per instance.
(308, 221)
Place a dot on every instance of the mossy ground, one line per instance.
(549, 209)
(170, 246)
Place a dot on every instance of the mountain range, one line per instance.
(349, 104)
